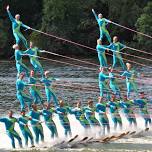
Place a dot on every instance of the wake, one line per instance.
(80, 137)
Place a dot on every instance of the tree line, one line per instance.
(73, 20)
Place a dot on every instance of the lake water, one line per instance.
(75, 83)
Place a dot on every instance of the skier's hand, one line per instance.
(40, 122)
(7, 8)
(42, 51)
(26, 125)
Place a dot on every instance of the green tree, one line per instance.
(124, 12)
(3, 37)
(144, 24)
(71, 20)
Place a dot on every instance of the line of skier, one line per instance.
(86, 115)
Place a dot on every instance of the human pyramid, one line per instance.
(84, 114)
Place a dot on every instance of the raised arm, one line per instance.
(94, 13)
(9, 14)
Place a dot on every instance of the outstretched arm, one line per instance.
(32, 119)
(26, 52)
(59, 112)
(100, 111)
(71, 110)
(9, 14)
(94, 13)
(107, 21)
(105, 76)
(122, 46)
(109, 47)
(20, 122)
(25, 26)
(51, 79)
(3, 120)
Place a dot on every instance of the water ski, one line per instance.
(72, 139)
(90, 139)
(65, 143)
(78, 143)
(113, 138)
(140, 134)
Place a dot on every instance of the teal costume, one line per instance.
(130, 82)
(23, 124)
(103, 85)
(113, 106)
(102, 27)
(103, 119)
(80, 116)
(9, 125)
(127, 107)
(34, 91)
(113, 84)
(48, 90)
(32, 52)
(16, 25)
(19, 64)
(116, 48)
(101, 55)
(142, 103)
(47, 114)
(21, 96)
(90, 116)
(36, 125)
(62, 113)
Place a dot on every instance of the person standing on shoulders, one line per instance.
(102, 22)
(16, 25)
